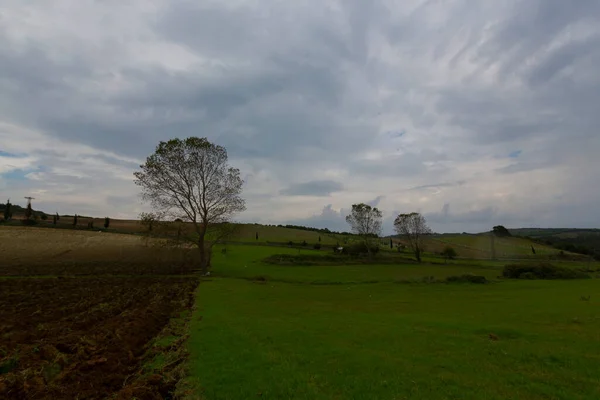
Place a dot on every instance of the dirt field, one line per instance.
(43, 251)
(67, 338)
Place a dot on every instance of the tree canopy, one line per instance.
(365, 221)
(191, 179)
(412, 227)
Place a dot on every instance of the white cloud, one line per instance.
(376, 98)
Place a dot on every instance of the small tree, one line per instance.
(319, 239)
(44, 217)
(57, 217)
(75, 220)
(391, 244)
(449, 253)
(500, 231)
(192, 180)
(106, 222)
(91, 224)
(365, 222)
(256, 235)
(412, 227)
(54, 219)
(8, 211)
(28, 211)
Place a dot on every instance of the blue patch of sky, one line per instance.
(20, 174)
(397, 134)
(11, 155)
(515, 154)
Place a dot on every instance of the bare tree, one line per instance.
(190, 179)
(412, 227)
(365, 221)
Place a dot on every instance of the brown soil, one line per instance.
(68, 338)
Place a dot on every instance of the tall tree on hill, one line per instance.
(365, 221)
(412, 227)
(7, 211)
(500, 231)
(192, 180)
(28, 211)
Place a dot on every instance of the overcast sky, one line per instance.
(475, 113)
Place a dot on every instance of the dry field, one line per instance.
(43, 251)
(79, 310)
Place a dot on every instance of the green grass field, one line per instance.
(348, 338)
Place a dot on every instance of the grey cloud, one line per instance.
(308, 87)
(328, 218)
(313, 188)
(375, 202)
(439, 185)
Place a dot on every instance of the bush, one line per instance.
(304, 243)
(360, 249)
(467, 279)
(290, 243)
(29, 222)
(317, 246)
(541, 271)
(449, 253)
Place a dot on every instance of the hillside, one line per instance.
(582, 241)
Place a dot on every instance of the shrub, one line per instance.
(106, 222)
(360, 249)
(449, 253)
(290, 243)
(467, 279)
(304, 243)
(541, 271)
(317, 246)
(527, 275)
(29, 222)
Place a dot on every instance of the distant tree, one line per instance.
(8, 211)
(391, 244)
(44, 217)
(365, 221)
(91, 224)
(75, 220)
(319, 239)
(449, 253)
(192, 180)
(256, 235)
(500, 231)
(54, 219)
(106, 222)
(28, 211)
(412, 227)
(57, 217)
(304, 243)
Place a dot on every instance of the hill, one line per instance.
(581, 241)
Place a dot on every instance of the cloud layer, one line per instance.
(474, 114)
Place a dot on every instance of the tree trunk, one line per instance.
(418, 253)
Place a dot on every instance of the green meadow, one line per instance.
(384, 332)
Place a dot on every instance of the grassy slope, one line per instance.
(385, 340)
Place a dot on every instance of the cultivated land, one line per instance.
(88, 312)
(79, 311)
